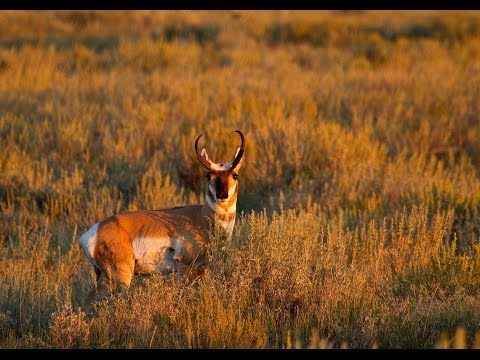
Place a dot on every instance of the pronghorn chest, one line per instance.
(223, 216)
(227, 225)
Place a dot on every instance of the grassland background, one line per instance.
(358, 214)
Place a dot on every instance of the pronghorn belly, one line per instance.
(153, 255)
(88, 241)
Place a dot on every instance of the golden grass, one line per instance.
(359, 204)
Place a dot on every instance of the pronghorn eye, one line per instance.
(235, 176)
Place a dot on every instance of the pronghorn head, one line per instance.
(222, 177)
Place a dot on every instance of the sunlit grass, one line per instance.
(359, 207)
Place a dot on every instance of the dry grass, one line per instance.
(359, 205)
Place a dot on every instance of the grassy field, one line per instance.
(359, 207)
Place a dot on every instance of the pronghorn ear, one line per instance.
(239, 165)
(205, 155)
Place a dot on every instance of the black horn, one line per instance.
(240, 153)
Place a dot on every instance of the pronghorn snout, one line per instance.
(222, 195)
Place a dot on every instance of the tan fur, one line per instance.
(185, 230)
(114, 250)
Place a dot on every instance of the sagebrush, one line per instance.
(359, 206)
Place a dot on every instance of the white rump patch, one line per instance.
(88, 242)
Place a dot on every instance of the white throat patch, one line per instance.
(227, 225)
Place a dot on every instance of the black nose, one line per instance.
(222, 195)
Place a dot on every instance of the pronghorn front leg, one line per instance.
(190, 264)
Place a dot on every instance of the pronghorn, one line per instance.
(165, 241)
